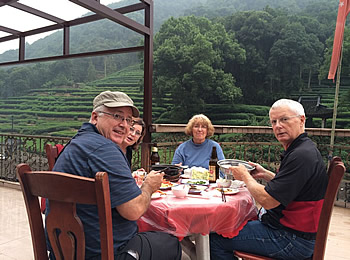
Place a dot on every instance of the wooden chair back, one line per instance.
(52, 152)
(335, 174)
(63, 192)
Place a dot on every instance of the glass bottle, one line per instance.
(213, 166)
(155, 159)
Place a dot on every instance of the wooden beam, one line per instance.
(113, 15)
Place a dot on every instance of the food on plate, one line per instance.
(200, 173)
(166, 185)
(198, 182)
(160, 192)
(157, 194)
(228, 191)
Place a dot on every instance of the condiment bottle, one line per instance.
(213, 166)
(154, 156)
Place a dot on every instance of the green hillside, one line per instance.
(61, 110)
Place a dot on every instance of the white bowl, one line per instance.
(180, 191)
(223, 183)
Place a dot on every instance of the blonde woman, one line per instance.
(197, 150)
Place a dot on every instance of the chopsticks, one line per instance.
(223, 196)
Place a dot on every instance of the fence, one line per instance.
(245, 143)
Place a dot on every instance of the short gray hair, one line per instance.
(99, 108)
(291, 104)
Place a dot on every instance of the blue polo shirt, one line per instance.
(88, 153)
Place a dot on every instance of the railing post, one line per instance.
(145, 155)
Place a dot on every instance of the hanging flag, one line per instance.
(343, 11)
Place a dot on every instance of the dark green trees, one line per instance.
(191, 58)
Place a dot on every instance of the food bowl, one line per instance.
(223, 183)
(172, 172)
(168, 169)
(180, 191)
(227, 163)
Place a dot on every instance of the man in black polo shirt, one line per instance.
(292, 199)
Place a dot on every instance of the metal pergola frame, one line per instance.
(100, 12)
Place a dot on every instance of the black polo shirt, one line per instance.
(300, 186)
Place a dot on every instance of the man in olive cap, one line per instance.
(95, 148)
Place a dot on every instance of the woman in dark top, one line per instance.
(134, 138)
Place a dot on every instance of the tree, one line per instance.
(294, 51)
(345, 70)
(190, 59)
(256, 31)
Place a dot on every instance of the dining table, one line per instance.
(193, 217)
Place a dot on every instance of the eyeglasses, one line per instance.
(133, 131)
(119, 118)
(282, 120)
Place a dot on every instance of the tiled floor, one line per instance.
(15, 241)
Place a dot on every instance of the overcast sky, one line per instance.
(22, 21)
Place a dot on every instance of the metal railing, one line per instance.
(256, 144)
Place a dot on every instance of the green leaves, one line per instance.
(190, 59)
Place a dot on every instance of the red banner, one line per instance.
(343, 11)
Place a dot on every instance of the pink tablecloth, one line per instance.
(182, 217)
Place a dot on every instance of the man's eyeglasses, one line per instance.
(133, 131)
(282, 120)
(119, 118)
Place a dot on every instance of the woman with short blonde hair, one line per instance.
(197, 151)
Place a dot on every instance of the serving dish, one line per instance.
(168, 169)
(196, 189)
(227, 163)
(195, 182)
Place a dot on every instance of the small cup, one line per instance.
(223, 183)
(180, 191)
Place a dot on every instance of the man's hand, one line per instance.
(153, 181)
(260, 172)
(239, 171)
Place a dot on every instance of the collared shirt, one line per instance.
(299, 186)
(88, 153)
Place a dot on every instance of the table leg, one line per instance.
(202, 246)
(189, 248)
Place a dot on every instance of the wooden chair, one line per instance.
(52, 152)
(335, 174)
(63, 192)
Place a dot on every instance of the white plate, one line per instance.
(228, 191)
(156, 195)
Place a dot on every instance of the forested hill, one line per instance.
(94, 36)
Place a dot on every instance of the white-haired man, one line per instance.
(292, 199)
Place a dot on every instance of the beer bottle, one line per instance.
(154, 156)
(213, 166)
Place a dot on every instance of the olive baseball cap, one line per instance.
(115, 99)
